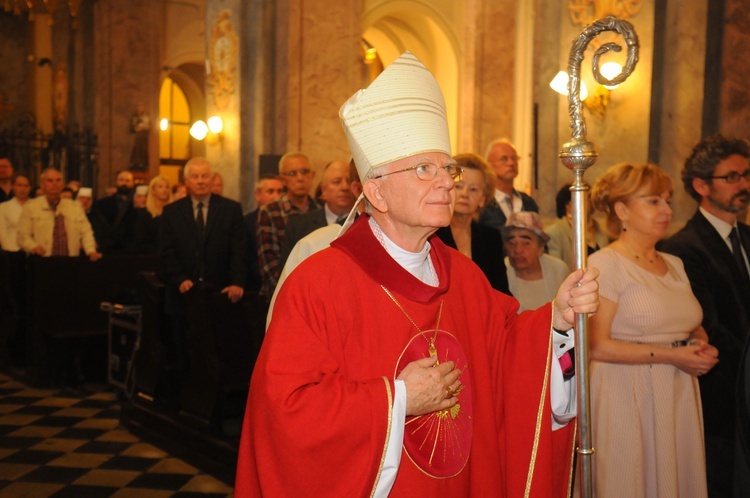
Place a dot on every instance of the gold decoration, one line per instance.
(223, 49)
(584, 12)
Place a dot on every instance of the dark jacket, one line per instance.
(493, 216)
(116, 233)
(713, 274)
(299, 226)
(486, 252)
(218, 260)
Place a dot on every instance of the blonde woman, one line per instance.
(647, 347)
(147, 224)
(483, 244)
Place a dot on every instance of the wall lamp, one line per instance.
(598, 100)
(211, 131)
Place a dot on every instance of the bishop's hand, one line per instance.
(579, 293)
(430, 387)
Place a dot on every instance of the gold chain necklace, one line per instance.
(430, 342)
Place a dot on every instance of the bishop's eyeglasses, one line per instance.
(732, 177)
(429, 171)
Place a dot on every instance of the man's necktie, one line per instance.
(199, 220)
(509, 202)
(59, 237)
(734, 238)
(340, 220)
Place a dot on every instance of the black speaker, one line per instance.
(268, 165)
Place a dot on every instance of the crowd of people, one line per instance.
(376, 325)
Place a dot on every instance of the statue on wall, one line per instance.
(140, 125)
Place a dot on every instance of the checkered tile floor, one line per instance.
(57, 443)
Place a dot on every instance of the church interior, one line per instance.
(93, 87)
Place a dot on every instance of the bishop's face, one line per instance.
(415, 205)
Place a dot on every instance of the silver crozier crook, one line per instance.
(578, 155)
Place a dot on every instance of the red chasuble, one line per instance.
(318, 412)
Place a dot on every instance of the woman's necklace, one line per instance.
(430, 342)
(637, 257)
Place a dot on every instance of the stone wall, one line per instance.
(735, 86)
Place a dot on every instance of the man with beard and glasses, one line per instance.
(714, 247)
(118, 215)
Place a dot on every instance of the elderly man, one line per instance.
(339, 199)
(268, 189)
(202, 247)
(298, 175)
(714, 247)
(533, 276)
(502, 156)
(52, 226)
(402, 372)
(202, 239)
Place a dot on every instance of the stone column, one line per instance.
(682, 95)
(318, 67)
(126, 72)
(495, 62)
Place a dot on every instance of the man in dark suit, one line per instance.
(201, 246)
(116, 232)
(502, 156)
(339, 200)
(716, 175)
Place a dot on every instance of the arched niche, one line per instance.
(392, 27)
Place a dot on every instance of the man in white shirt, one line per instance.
(10, 212)
(52, 226)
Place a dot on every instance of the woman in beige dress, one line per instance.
(647, 348)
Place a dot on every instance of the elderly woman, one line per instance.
(148, 221)
(647, 347)
(533, 276)
(484, 245)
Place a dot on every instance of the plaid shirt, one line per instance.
(272, 220)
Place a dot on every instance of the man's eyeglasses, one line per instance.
(732, 177)
(303, 172)
(429, 171)
(505, 159)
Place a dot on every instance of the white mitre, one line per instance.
(401, 113)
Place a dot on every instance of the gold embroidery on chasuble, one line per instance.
(439, 443)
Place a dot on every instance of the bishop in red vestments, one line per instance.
(391, 367)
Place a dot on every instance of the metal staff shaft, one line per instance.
(578, 155)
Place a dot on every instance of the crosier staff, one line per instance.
(578, 155)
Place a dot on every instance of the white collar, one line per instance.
(721, 226)
(418, 264)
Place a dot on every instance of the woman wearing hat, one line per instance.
(484, 245)
(647, 347)
(533, 276)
